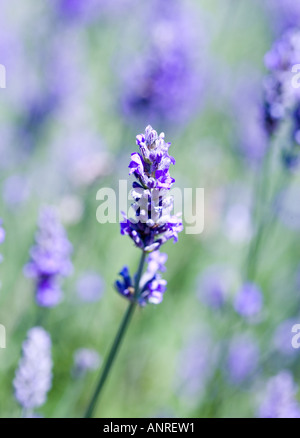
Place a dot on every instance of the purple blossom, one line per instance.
(248, 301)
(153, 224)
(85, 359)
(90, 287)
(242, 358)
(163, 84)
(34, 375)
(49, 258)
(280, 97)
(284, 13)
(152, 286)
(82, 10)
(279, 398)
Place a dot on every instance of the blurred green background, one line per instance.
(148, 377)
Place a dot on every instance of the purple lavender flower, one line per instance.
(252, 137)
(83, 10)
(50, 259)
(153, 224)
(152, 286)
(163, 84)
(248, 301)
(90, 287)
(85, 359)
(280, 97)
(34, 374)
(242, 358)
(279, 398)
(284, 13)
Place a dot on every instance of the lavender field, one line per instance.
(188, 106)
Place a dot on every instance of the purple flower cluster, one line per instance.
(152, 286)
(279, 398)
(281, 97)
(248, 301)
(153, 223)
(49, 258)
(163, 85)
(285, 13)
(34, 374)
(213, 286)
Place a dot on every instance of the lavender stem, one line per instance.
(117, 342)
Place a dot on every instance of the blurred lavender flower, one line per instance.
(248, 301)
(163, 85)
(87, 11)
(153, 224)
(280, 96)
(152, 286)
(50, 258)
(196, 366)
(85, 360)
(213, 286)
(34, 374)
(90, 287)
(242, 358)
(284, 13)
(279, 398)
(252, 137)
(79, 10)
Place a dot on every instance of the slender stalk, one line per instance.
(117, 341)
(262, 215)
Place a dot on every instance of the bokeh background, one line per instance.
(83, 78)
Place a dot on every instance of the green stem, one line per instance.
(117, 342)
(262, 215)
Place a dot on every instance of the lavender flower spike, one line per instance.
(153, 223)
(50, 259)
(150, 227)
(34, 374)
